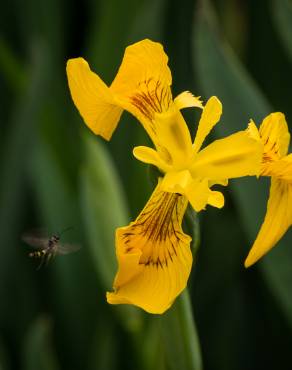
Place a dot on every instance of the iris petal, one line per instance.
(210, 116)
(234, 156)
(277, 220)
(275, 135)
(142, 84)
(187, 100)
(93, 98)
(154, 255)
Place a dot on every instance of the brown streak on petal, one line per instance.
(157, 230)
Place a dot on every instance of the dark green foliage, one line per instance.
(55, 174)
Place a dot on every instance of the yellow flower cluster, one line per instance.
(153, 252)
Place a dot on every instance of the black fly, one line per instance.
(48, 246)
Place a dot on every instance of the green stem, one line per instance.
(180, 338)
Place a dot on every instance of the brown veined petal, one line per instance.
(142, 84)
(281, 169)
(275, 136)
(154, 255)
(93, 98)
(277, 220)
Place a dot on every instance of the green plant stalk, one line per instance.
(180, 338)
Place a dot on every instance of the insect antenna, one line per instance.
(65, 230)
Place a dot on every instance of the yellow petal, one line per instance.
(93, 98)
(197, 192)
(275, 136)
(216, 199)
(210, 116)
(234, 156)
(150, 156)
(175, 182)
(277, 220)
(142, 85)
(281, 169)
(174, 138)
(154, 255)
(253, 131)
(187, 100)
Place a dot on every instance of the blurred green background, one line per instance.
(57, 174)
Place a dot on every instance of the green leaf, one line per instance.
(38, 353)
(4, 364)
(72, 276)
(282, 15)
(107, 42)
(104, 347)
(104, 209)
(103, 205)
(11, 68)
(222, 74)
(13, 197)
(179, 335)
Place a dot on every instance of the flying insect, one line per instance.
(48, 246)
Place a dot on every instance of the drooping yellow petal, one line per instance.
(210, 116)
(277, 220)
(142, 84)
(187, 100)
(93, 98)
(275, 136)
(154, 255)
(234, 156)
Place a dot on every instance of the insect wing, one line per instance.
(35, 238)
(67, 248)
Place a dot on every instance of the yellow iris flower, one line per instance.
(274, 136)
(153, 252)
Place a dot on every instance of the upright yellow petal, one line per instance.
(154, 255)
(142, 85)
(234, 156)
(93, 98)
(277, 220)
(175, 144)
(275, 136)
(210, 116)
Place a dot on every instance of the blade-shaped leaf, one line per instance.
(282, 16)
(104, 209)
(180, 338)
(220, 73)
(38, 352)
